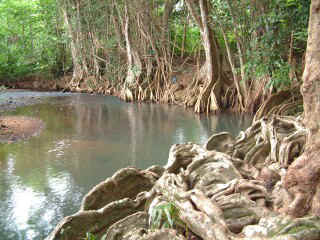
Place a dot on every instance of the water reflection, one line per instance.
(86, 139)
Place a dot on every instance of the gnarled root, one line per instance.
(274, 140)
(129, 182)
(110, 201)
(76, 226)
(200, 214)
(302, 182)
(281, 103)
(134, 225)
(221, 142)
(217, 194)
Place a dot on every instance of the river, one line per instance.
(85, 140)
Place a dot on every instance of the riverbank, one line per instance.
(177, 92)
(15, 128)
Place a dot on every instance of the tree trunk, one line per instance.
(77, 70)
(207, 39)
(303, 176)
(207, 100)
(243, 83)
(133, 60)
(234, 71)
(168, 8)
(130, 73)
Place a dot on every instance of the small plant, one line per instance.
(165, 215)
(90, 236)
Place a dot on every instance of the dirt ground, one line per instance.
(15, 128)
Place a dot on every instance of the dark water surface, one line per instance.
(86, 139)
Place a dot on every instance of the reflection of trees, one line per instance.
(225, 122)
(30, 200)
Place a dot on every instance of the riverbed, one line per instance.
(86, 139)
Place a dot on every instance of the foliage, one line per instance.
(263, 32)
(191, 38)
(184, 36)
(90, 236)
(164, 215)
(271, 50)
(28, 37)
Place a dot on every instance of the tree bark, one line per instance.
(207, 39)
(130, 74)
(133, 59)
(169, 5)
(234, 72)
(243, 85)
(77, 70)
(303, 176)
(211, 89)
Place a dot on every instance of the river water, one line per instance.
(86, 139)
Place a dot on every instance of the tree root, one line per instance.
(271, 140)
(200, 214)
(76, 226)
(110, 201)
(128, 182)
(281, 103)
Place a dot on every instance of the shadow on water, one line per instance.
(86, 139)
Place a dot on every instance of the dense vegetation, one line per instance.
(140, 48)
(28, 38)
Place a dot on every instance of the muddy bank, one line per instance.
(39, 83)
(15, 128)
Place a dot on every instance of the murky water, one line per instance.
(86, 139)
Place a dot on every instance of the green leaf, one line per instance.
(168, 212)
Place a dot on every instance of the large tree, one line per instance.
(303, 176)
(208, 99)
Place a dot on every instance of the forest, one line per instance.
(258, 57)
(207, 55)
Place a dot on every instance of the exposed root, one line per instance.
(282, 103)
(274, 140)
